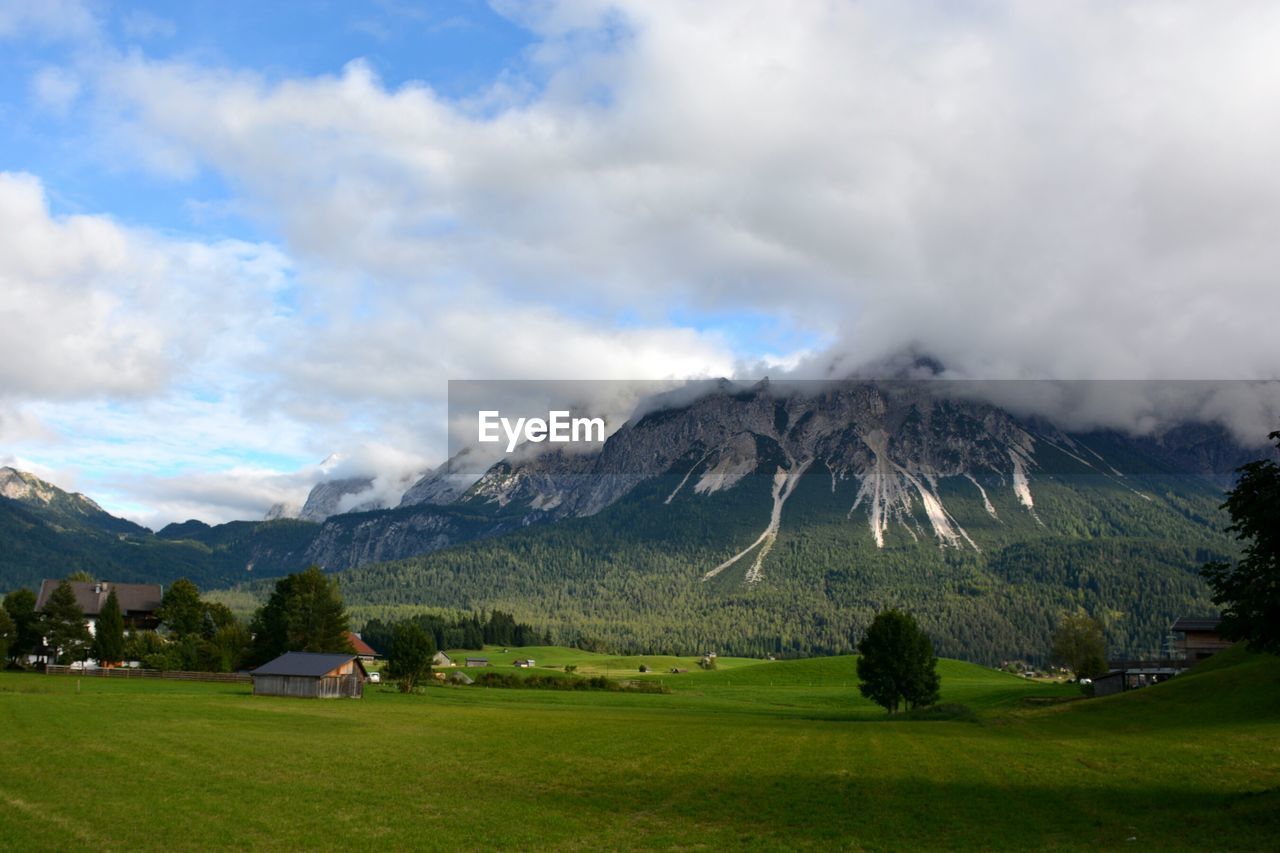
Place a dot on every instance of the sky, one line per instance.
(244, 246)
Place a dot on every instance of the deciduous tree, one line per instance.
(8, 633)
(1079, 645)
(897, 664)
(1249, 591)
(181, 610)
(21, 607)
(409, 658)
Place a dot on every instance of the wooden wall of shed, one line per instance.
(307, 687)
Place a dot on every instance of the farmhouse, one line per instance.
(311, 675)
(477, 661)
(441, 659)
(138, 601)
(363, 650)
(1200, 637)
(524, 663)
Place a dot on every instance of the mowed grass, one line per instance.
(753, 755)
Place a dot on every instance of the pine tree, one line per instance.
(8, 633)
(64, 625)
(304, 614)
(109, 637)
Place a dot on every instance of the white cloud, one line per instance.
(91, 308)
(1061, 189)
(56, 89)
(1057, 189)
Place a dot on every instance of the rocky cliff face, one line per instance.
(901, 455)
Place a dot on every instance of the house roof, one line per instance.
(313, 664)
(1197, 623)
(91, 596)
(361, 647)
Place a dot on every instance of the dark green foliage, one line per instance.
(469, 631)
(897, 664)
(409, 657)
(21, 607)
(181, 610)
(108, 638)
(1079, 645)
(64, 626)
(1249, 591)
(629, 579)
(555, 682)
(304, 614)
(8, 633)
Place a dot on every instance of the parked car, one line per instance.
(375, 678)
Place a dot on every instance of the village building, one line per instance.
(363, 650)
(138, 601)
(524, 663)
(1200, 637)
(441, 659)
(477, 662)
(311, 675)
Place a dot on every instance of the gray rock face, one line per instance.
(445, 484)
(326, 497)
(282, 510)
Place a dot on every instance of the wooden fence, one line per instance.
(130, 672)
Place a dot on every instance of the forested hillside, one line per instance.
(632, 577)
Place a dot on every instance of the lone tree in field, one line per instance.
(409, 658)
(897, 664)
(1249, 591)
(64, 625)
(1078, 644)
(108, 640)
(303, 614)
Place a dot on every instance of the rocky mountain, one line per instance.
(58, 507)
(771, 519)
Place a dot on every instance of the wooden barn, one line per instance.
(311, 676)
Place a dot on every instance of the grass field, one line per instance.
(753, 755)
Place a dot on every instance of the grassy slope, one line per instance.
(755, 754)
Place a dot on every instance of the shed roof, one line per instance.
(92, 595)
(312, 664)
(1197, 623)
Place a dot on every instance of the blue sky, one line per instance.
(237, 238)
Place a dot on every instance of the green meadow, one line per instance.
(756, 754)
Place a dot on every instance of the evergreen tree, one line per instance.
(409, 658)
(897, 663)
(64, 626)
(1078, 644)
(109, 637)
(181, 609)
(21, 607)
(304, 614)
(1249, 591)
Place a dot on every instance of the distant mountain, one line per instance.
(56, 506)
(46, 532)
